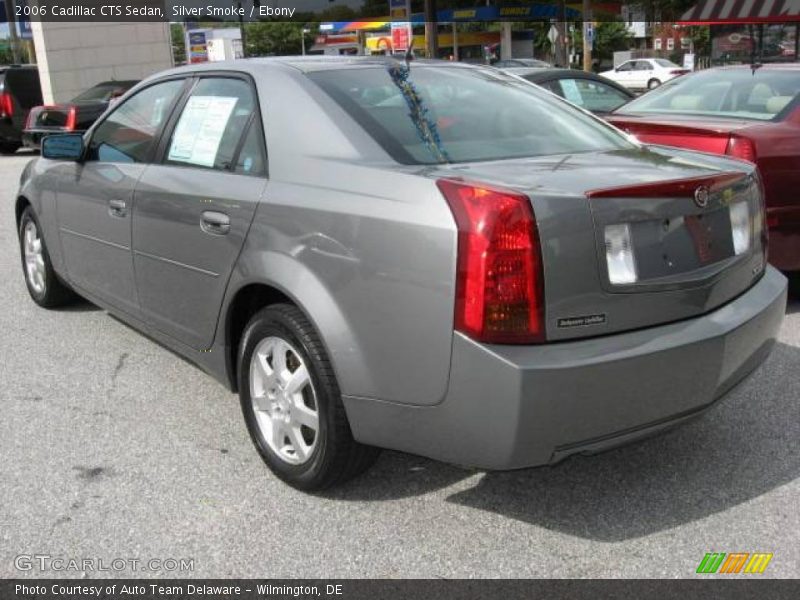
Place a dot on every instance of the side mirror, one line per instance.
(68, 146)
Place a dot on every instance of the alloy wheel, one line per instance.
(34, 257)
(284, 400)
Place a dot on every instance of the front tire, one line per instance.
(292, 404)
(43, 284)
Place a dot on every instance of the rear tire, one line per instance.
(653, 84)
(292, 404)
(44, 286)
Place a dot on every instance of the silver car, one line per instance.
(432, 257)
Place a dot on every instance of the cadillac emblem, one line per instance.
(701, 196)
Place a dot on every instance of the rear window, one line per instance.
(103, 92)
(426, 115)
(760, 94)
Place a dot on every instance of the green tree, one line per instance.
(178, 44)
(275, 38)
(609, 37)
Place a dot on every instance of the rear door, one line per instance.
(95, 196)
(193, 210)
(642, 73)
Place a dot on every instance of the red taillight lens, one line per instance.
(740, 147)
(6, 105)
(500, 284)
(72, 119)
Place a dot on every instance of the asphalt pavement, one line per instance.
(114, 448)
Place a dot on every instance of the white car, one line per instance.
(645, 73)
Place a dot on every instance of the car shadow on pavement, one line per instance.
(397, 475)
(742, 448)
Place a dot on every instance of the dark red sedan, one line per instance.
(749, 112)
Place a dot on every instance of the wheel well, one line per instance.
(22, 204)
(247, 302)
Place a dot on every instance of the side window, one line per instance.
(251, 159)
(592, 95)
(628, 66)
(129, 133)
(643, 65)
(212, 124)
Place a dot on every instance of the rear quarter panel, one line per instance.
(365, 247)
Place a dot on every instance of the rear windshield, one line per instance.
(760, 94)
(666, 63)
(426, 114)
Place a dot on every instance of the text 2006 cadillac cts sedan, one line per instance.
(435, 258)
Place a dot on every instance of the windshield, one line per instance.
(103, 92)
(728, 93)
(427, 114)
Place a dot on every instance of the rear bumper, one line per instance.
(517, 406)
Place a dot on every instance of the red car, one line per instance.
(749, 112)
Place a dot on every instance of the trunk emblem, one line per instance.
(701, 196)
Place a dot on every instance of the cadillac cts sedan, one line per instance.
(431, 257)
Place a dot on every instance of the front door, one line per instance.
(95, 197)
(193, 210)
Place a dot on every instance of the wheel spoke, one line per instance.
(306, 416)
(298, 443)
(297, 380)
(278, 434)
(279, 360)
(260, 401)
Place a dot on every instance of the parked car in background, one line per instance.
(644, 73)
(751, 113)
(587, 90)
(77, 115)
(443, 259)
(521, 62)
(20, 91)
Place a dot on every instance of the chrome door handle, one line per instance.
(215, 223)
(117, 208)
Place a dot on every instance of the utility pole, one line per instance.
(588, 27)
(431, 30)
(241, 29)
(11, 15)
(562, 51)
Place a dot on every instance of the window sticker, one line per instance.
(201, 127)
(571, 91)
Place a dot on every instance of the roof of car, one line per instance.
(309, 64)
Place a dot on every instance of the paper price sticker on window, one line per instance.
(200, 130)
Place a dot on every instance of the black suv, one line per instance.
(20, 91)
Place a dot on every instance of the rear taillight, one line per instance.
(29, 120)
(741, 147)
(72, 119)
(6, 105)
(500, 282)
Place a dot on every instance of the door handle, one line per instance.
(215, 223)
(117, 208)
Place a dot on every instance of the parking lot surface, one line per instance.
(113, 447)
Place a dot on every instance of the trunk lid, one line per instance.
(683, 248)
(704, 135)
